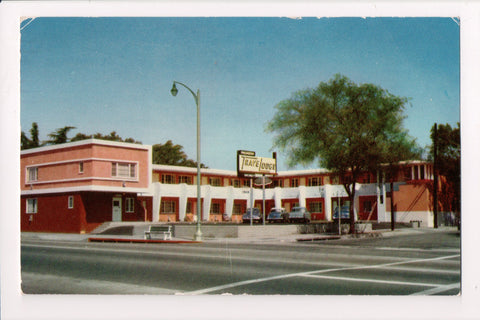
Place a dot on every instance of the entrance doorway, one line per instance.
(117, 209)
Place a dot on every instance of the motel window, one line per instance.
(189, 207)
(168, 179)
(294, 183)
(129, 205)
(246, 183)
(314, 181)
(316, 207)
(80, 167)
(124, 170)
(216, 182)
(70, 202)
(215, 208)
(235, 183)
(168, 206)
(278, 183)
(32, 174)
(185, 179)
(32, 205)
(237, 208)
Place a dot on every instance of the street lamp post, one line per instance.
(174, 91)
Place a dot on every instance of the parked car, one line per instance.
(256, 216)
(299, 214)
(344, 212)
(277, 215)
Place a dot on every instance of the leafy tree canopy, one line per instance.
(33, 142)
(59, 135)
(347, 128)
(448, 163)
(171, 154)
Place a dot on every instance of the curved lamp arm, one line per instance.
(174, 90)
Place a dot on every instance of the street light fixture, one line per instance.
(174, 91)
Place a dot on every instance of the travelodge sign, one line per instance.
(248, 163)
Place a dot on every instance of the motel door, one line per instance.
(117, 209)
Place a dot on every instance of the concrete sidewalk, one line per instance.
(137, 238)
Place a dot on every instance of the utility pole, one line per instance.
(435, 178)
(392, 205)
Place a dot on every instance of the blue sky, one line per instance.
(115, 74)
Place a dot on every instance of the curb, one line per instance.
(138, 240)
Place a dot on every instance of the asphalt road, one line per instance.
(427, 263)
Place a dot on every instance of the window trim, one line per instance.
(215, 208)
(215, 179)
(28, 206)
(315, 203)
(30, 170)
(132, 167)
(294, 182)
(172, 206)
(70, 202)
(172, 179)
(185, 179)
(129, 205)
(314, 181)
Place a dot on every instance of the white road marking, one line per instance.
(402, 283)
(285, 276)
(422, 270)
(321, 258)
(418, 249)
(438, 289)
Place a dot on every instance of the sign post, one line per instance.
(248, 164)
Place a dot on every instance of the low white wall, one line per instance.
(234, 231)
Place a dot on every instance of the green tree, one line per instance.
(448, 164)
(80, 136)
(25, 142)
(113, 136)
(348, 128)
(171, 154)
(34, 132)
(34, 141)
(59, 135)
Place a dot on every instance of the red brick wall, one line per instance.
(53, 214)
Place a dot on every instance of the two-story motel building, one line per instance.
(75, 187)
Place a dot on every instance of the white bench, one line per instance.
(164, 230)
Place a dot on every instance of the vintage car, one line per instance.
(256, 216)
(299, 214)
(344, 212)
(277, 215)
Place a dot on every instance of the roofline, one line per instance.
(86, 142)
(305, 172)
(94, 188)
(167, 167)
